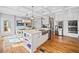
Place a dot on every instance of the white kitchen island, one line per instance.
(33, 39)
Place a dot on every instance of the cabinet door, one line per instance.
(37, 23)
(36, 40)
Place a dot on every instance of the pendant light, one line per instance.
(32, 12)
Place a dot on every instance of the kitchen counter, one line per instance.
(33, 39)
(32, 31)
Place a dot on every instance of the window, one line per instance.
(73, 27)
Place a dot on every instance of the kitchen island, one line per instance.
(33, 39)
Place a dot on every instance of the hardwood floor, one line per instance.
(18, 49)
(59, 44)
(15, 48)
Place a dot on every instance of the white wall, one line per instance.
(65, 15)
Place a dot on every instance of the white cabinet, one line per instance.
(60, 31)
(31, 39)
(36, 23)
(36, 40)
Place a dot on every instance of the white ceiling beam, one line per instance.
(15, 9)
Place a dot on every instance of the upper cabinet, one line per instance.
(22, 23)
(36, 23)
(28, 23)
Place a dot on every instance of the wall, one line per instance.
(65, 15)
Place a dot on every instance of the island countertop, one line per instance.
(32, 31)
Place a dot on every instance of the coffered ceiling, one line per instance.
(28, 11)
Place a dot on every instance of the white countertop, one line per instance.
(32, 31)
(45, 28)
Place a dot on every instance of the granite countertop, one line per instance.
(43, 31)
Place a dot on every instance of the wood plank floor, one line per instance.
(59, 44)
(17, 49)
